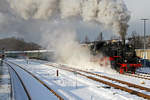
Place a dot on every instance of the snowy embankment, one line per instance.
(75, 87)
(5, 87)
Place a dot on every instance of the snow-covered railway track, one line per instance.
(89, 75)
(120, 81)
(40, 81)
(21, 81)
(138, 75)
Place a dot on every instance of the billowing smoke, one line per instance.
(110, 13)
(34, 8)
(69, 51)
(2, 18)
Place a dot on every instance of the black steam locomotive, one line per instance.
(122, 56)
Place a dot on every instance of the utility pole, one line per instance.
(144, 20)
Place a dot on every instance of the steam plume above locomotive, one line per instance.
(110, 13)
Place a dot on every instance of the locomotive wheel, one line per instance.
(115, 67)
(133, 70)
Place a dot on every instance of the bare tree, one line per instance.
(136, 40)
(148, 43)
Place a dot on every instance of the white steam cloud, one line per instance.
(70, 52)
(2, 18)
(34, 8)
(67, 48)
(110, 13)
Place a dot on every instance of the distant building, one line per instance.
(140, 53)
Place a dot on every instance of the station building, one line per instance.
(141, 52)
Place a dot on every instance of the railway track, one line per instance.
(45, 85)
(21, 81)
(139, 75)
(11, 90)
(89, 75)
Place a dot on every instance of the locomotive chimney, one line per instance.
(123, 37)
(123, 40)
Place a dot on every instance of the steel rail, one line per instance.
(24, 87)
(11, 89)
(113, 79)
(138, 76)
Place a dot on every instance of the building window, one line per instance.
(144, 55)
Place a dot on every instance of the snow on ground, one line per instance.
(114, 74)
(75, 87)
(4, 83)
(18, 91)
(36, 90)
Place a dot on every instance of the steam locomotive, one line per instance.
(122, 56)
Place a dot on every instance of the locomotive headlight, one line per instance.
(125, 60)
(139, 61)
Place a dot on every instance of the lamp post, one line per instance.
(144, 20)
